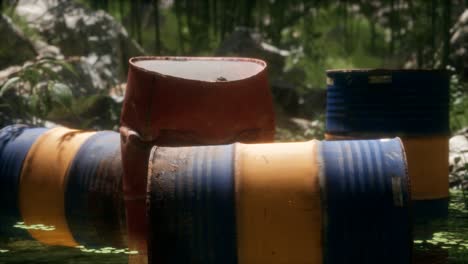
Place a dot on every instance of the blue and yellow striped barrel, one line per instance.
(15, 142)
(68, 190)
(411, 104)
(94, 203)
(310, 202)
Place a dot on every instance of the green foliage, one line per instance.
(319, 44)
(31, 93)
(458, 103)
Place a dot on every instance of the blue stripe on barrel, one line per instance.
(192, 205)
(94, 198)
(365, 197)
(408, 102)
(15, 142)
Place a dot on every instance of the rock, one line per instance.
(458, 159)
(79, 31)
(15, 48)
(459, 42)
(118, 92)
(285, 85)
(248, 43)
(80, 77)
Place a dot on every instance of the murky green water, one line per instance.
(444, 241)
(436, 242)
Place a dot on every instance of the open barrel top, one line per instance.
(203, 69)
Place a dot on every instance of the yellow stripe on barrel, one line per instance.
(43, 183)
(278, 203)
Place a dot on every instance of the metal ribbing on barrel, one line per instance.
(15, 142)
(191, 205)
(408, 102)
(93, 198)
(366, 202)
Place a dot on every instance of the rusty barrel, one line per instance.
(411, 104)
(310, 202)
(15, 142)
(67, 178)
(174, 101)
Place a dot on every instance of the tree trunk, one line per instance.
(392, 29)
(373, 35)
(249, 8)
(121, 11)
(214, 15)
(138, 18)
(178, 10)
(447, 7)
(432, 37)
(157, 28)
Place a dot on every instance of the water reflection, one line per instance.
(107, 250)
(443, 241)
(34, 227)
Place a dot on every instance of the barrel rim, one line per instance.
(357, 135)
(385, 71)
(132, 62)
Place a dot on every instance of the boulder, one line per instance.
(79, 31)
(285, 85)
(15, 48)
(459, 42)
(458, 159)
(91, 108)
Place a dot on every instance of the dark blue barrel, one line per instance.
(365, 196)
(396, 102)
(15, 142)
(192, 206)
(411, 104)
(94, 206)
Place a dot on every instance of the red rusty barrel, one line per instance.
(173, 101)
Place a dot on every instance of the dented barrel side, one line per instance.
(169, 110)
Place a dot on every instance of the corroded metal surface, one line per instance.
(175, 110)
(311, 202)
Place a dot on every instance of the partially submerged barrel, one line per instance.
(411, 104)
(174, 101)
(68, 187)
(311, 202)
(94, 204)
(15, 142)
